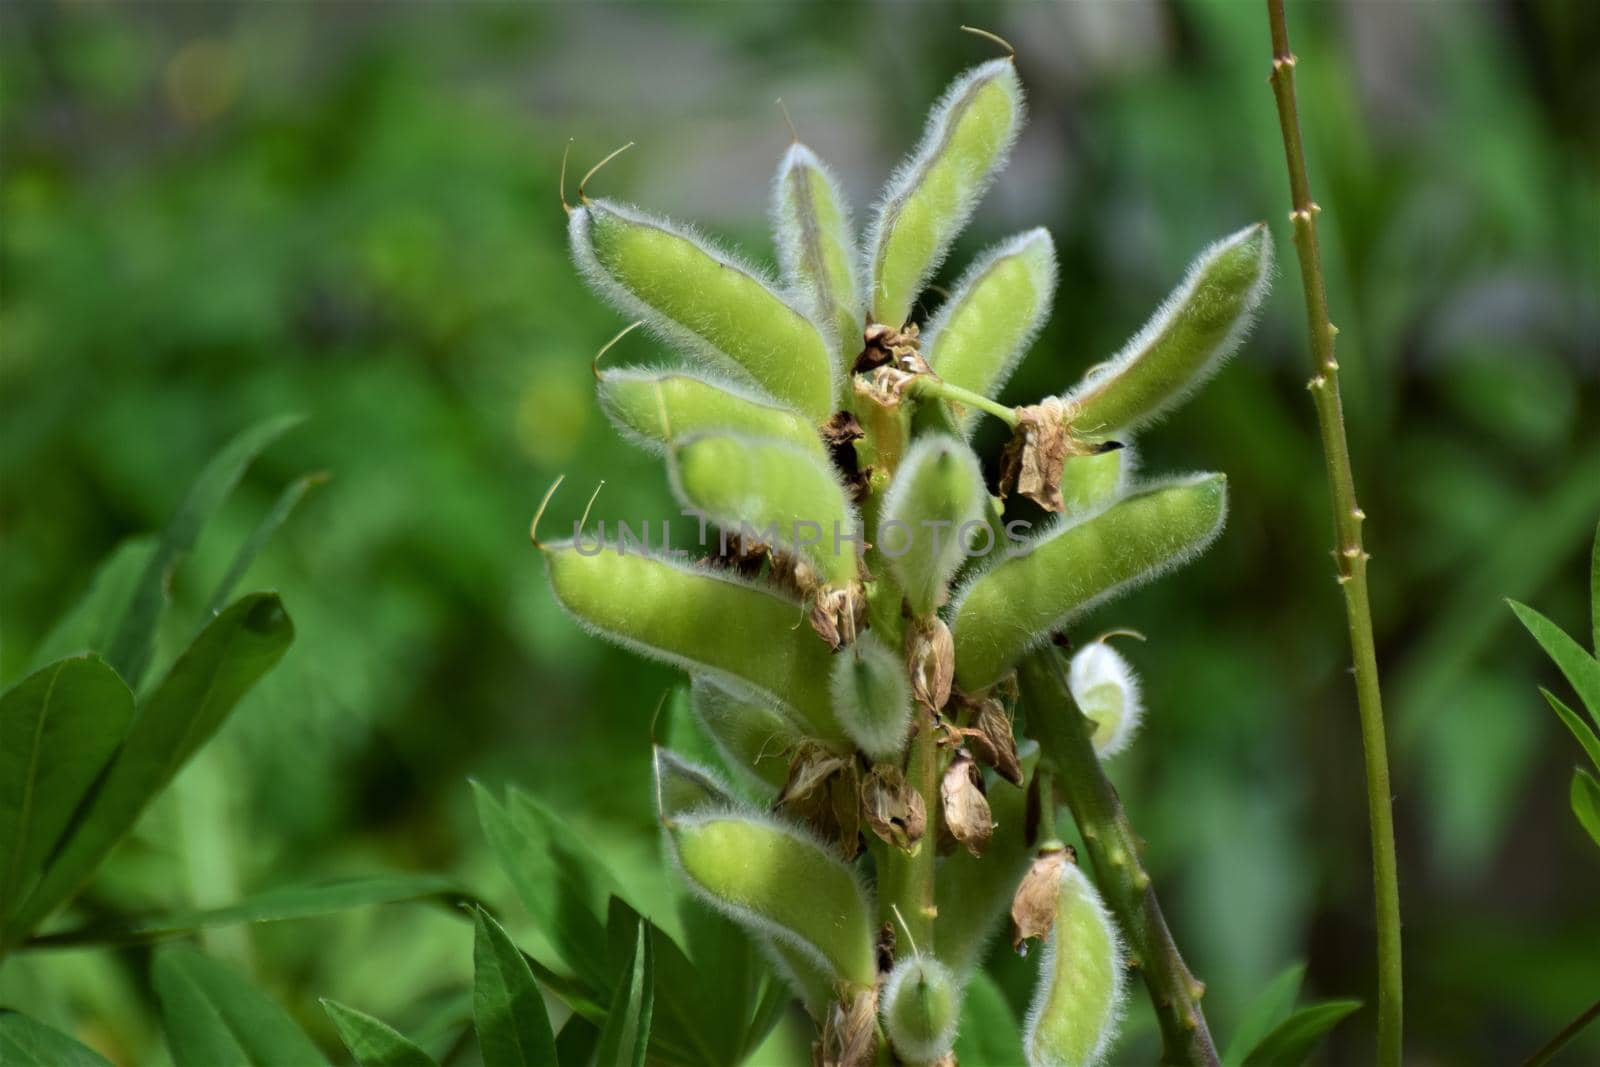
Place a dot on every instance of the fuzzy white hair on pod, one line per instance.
(871, 697)
(1074, 880)
(918, 1040)
(1243, 323)
(1106, 690)
(790, 231)
(705, 375)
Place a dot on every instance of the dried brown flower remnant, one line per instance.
(823, 792)
(849, 1033)
(893, 809)
(884, 345)
(990, 738)
(838, 613)
(1038, 451)
(931, 661)
(839, 435)
(1033, 909)
(966, 808)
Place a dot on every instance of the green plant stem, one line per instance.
(924, 388)
(1351, 556)
(1549, 1049)
(1064, 737)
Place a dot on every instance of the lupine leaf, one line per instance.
(373, 1042)
(507, 1007)
(1293, 1040)
(1269, 1008)
(89, 624)
(626, 1034)
(1585, 795)
(270, 523)
(1581, 669)
(213, 1016)
(1579, 728)
(26, 1042)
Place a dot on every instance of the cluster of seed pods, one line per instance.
(876, 824)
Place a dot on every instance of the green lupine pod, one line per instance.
(1183, 344)
(993, 315)
(1107, 692)
(937, 493)
(683, 786)
(921, 1008)
(975, 891)
(786, 495)
(1077, 1003)
(701, 298)
(1089, 483)
(778, 881)
(650, 407)
(816, 249)
(752, 737)
(1077, 565)
(932, 195)
(742, 635)
(871, 697)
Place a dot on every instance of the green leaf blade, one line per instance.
(1579, 728)
(507, 1007)
(213, 1016)
(626, 1034)
(373, 1042)
(26, 1042)
(1580, 669)
(1269, 1008)
(1293, 1040)
(1585, 798)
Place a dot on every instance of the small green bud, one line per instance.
(705, 301)
(1076, 565)
(752, 737)
(992, 316)
(1090, 483)
(738, 633)
(932, 195)
(779, 882)
(788, 496)
(650, 407)
(1183, 344)
(921, 1008)
(1077, 1003)
(871, 697)
(933, 506)
(816, 251)
(1107, 692)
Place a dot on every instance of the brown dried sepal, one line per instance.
(991, 739)
(849, 1033)
(886, 346)
(966, 808)
(823, 792)
(838, 613)
(1033, 908)
(930, 661)
(1033, 461)
(741, 555)
(839, 436)
(892, 809)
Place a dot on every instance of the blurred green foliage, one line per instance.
(215, 214)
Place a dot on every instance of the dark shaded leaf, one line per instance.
(507, 1007)
(58, 727)
(130, 647)
(1579, 728)
(1293, 1040)
(90, 623)
(214, 1016)
(576, 1044)
(373, 1042)
(198, 693)
(1585, 795)
(626, 1034)
(26, 1042)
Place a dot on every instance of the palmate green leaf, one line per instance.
(1585, 795)
(1269, 1008)
(130, 647)
(26, 1042)
(1581, 669)
(626, 1035)
(89, 624)
(373, 1042)
(1293, 1040)
(183, 712)
(507, 1007)
(273, 905)
(58, 727)
(1579, 728)
(561, 883)
(213, 1016)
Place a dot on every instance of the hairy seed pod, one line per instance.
(1091, 483)
(651, 407)
(931, 196)
(816, 250)
(1077, 565)
(704, 300)
(871, 698)
(1183, 344)
(683, 786)
(937, 492)
(992, 316)
(786, 495)
(921, 1007)
(752, 737)
(776, 880)
(741, 635)
(1107, 692)
(1077, 1003)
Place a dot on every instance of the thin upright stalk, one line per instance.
(1065, 741)
(1351, 556)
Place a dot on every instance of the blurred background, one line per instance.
(213, 213)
